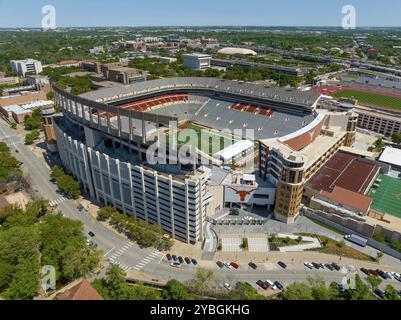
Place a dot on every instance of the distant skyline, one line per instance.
(91, 13)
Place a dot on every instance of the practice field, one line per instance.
(205, 139)
(371, 99)
(387, 197)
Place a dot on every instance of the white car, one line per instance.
(227, 286)
(390, 275)
(227, 264)
(308, 265)
(271, 284)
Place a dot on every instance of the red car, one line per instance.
(169, 257)
(374, 272)
(234, 265)
(262, 284)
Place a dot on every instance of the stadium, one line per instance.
(104, 139)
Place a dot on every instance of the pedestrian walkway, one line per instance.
(123, 267)
(58, 201)
(258, 244)
(147, 259)
(119, 252)
(231, 244)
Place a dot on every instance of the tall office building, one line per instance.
(26, 66)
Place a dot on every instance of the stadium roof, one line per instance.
(391, 156)
(231, 50)
(246, 89)
(233, 150)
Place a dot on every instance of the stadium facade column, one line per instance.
(144, 194)
(172, 206)
(187, 212)
(157, 197)
(132, 191)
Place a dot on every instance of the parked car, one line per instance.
(262, 284)
(91, 234)
(220, 264)
(336, 266)
(227, 264)
(373, 272)
(253, 265)
(382, 274)
(279, 285)
(315, 265)
(175, 259)
(187, 260)
(169, 257)
(194, 262)
(234, 212)
(180, 259)
(390, 276)
(175, 265)
(379, 293)
(329, 266)
(365, 271)
(341, 288)
(80, 207)
(227, 286)
(282, 264)
(271, 284)
(234, 265)
(321, 265)
(308, 265)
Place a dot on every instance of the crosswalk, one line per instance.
(58, 201)
(119, 252)
(124, 267)
(147, 259)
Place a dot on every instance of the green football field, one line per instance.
(205, 139)
(372, 99)
(387, 197)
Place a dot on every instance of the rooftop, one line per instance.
(344, 170)
(391, 156)
(289, 96)
(81, 291)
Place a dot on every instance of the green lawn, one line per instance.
(387, 197)
(205, 139)
(372, 99)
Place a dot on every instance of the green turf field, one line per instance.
(205, 139)
(387, 198)
(372, 99)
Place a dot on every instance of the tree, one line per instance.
(379, 255)
(105, 213)
(202, 281)
(379, 144)
(243, 291)
(113, 286)
(31, 137)
(56, 172)
(25, 282)
(297, 291)
(361, 291)
(373, 281)
(396, 138)
(319, 289)
(175, 290)
(63, 245)
(69, 186)
(391, 293)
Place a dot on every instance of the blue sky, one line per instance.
(27, 13)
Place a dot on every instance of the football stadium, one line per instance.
(109, 140)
